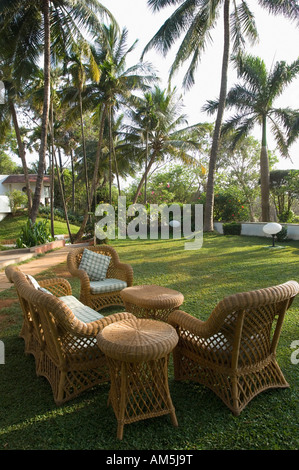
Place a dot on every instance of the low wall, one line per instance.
(47, 247)
(255, 229)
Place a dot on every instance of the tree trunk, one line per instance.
(265, 176)
(52, 179)
(59, 177)
(144, 176)
(80, 232)
(73, 180)
(110, 156)
(45, 116)
(209, 206)
(21, 154)
(84, 153)
(146, 159)
(112, 149)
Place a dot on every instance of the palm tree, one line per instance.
(14, 87)
(253, 100)
(163, 129)
(29, 28)
(148, 119)
(80, 71)
(114, 90)
(196, 20)
(117, 82)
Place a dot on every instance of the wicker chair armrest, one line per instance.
(80, 328)
(124, 272)
(180, 319)
(83, 278)
(58, 286)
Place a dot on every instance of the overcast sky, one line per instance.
(279, 40)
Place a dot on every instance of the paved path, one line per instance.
(39, 264)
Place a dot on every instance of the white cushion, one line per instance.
(81, 311)
(36, 285)
(95, 264)
(107, 285)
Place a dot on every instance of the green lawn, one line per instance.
(29, 419)
(10, 227)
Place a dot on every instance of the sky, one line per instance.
(278, 40)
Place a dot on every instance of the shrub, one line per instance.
(286, 216)
(282, 235)
(33, 234)
(229, 206)
(232, 229)
(16, 199)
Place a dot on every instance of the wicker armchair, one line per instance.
(92, 293)
(64, 347)
(233, 352)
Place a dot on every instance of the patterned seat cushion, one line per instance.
(81, 311)
(95, 264)
(107, 285)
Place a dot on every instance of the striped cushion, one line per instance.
(81, 311)
(107, 285)
(95, 264)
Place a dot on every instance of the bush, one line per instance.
(286, 216)
(45, 211)
(230, 206)
(34, 234)
(232, 229)
(16, 199)
(282, 235)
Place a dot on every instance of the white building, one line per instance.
(10, 182)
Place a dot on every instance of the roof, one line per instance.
(21, 179)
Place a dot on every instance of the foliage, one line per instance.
(45, 212)
(33, 234)
(232, 228)
(252, 99)
(16, 199)
(7, 165)
(175, 184)
(284, 188)
(230, 205)
(282, 235)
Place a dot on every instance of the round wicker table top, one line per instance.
(152, 296)
(137, 339)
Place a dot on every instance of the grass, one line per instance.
(29, 419)
(10, 227)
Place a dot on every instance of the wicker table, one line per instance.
(137, 351)
(150, 301)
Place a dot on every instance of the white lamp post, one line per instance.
(272, 229)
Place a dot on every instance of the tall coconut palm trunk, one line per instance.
(21, 154)
(144, 177)
(209, 207)
(45, 116)
(265, 176)
(95, 178)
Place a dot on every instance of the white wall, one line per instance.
(255, 229)
(3, 188)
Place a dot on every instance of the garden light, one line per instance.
(272, 229)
